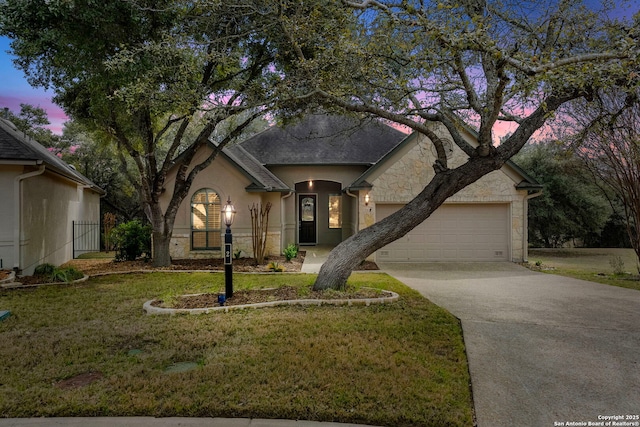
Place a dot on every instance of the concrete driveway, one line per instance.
(544, 350)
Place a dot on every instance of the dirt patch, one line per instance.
(81, 380)
(244, 265)
(284, 293)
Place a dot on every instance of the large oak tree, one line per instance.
(143, 71)
(159, 79)
(469, 62)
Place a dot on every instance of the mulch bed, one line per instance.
(4, 274)
(284, 293)
(92, 267)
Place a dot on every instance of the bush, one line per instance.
(131, 240)
(275, 266)
(56, 274)
(45, 269)
(68, 274)
(290, 252)
(617, 264)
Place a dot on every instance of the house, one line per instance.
(42, 196)
(327, 177)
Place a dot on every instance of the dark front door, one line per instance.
(307, 214)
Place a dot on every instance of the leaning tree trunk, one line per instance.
(348, 254)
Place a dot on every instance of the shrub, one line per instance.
(290, 252)
(274, 266)
(57, 274)
(131, 240)
(617, 264)
(45, 269)
(68, 274)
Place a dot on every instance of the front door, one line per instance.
(307, 214)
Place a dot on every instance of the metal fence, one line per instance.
(86, 237)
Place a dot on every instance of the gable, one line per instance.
(17, 148)
(405, 171)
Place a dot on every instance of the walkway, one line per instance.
(315, 257)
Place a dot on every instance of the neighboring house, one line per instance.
(41, 197)
(328, 177)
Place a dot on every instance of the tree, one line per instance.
(158, 79)
(31, 121)
(472, 62)
(608, 140)
(571, 205)
(98, 161)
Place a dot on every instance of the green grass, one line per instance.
(401, 364)
(593, 264)
(98, 255)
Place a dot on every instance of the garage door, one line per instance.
(452, 233)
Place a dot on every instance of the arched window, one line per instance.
(205, 220)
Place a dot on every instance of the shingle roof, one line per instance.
(324, 139)
(263, 180)
(16, 147)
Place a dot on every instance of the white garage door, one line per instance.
(452, 233)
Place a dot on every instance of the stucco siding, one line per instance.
(7, 219)
(227, 181)
(49, 206)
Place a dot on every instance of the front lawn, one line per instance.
(401, 364)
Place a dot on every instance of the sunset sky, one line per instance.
(14, 88)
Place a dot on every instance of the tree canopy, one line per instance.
(474, 63)
(158, 79)
(145, 72)
(606, 135)
(571, 208)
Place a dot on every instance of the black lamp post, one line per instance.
(228, 214)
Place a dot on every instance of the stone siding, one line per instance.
(181, 246)
(408, 175)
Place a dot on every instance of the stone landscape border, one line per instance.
(18, 285)
(10, 279)
(151, 309)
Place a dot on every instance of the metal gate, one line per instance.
(86, 237)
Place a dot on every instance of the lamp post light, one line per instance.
(228, 214)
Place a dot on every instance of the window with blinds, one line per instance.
(205, 220)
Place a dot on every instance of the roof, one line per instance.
(17, 148)
(262, 179)
(320, 139)
(527, 183)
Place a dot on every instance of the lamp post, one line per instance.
(228, 214)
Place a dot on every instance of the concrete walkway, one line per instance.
(544, 350)
(315, 257)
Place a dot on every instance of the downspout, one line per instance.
(282, 219)
(17, 199)
(525, 219)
